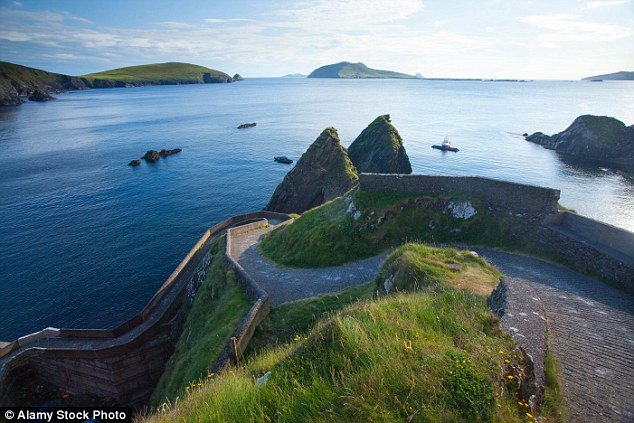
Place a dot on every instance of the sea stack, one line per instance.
(379, 149)
(594, 138)
(324, 172)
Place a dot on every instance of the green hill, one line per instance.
(18, 81)
(616, 76)
(347, 70)
(169, 73)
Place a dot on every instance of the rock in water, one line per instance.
(598, 138)
(134, 163)
(39, 95)
(151, 156)
(379, 149)
(324, 172)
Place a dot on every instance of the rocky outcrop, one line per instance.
(40, 96)
(324, 172)
(595, 138)
(237, 77)
(379, 149)
(247, 125)
(20, 81)
(135, 162)
(153, 155)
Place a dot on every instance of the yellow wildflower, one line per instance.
(507, 361)
(509, 377)
(530, 416)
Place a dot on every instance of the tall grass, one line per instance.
(433, 355)
(217, 311)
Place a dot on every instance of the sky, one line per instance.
(540, 39)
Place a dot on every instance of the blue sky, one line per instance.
(563, 39)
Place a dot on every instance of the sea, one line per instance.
(86, 240)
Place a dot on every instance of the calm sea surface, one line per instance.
(85, 240)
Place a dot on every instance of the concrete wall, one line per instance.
(122, 363)
(618, 239)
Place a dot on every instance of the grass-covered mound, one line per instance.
(415, 267)
(165, 73)
(217, 311)
(432, 355)
(329, 235)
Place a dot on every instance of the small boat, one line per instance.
(283, 159)
(445, 146)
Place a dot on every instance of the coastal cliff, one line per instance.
(379, 149)
(324, 172)
(18, 81)
(595, 138)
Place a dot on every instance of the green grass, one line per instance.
(172, 72)
(217, 311)
(327, 235)
(295, 319)
(553, 404)
(433, 355)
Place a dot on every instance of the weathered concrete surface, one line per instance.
(283, 284)
(591, 333)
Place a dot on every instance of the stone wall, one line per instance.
(124, 363)
(532, 212)
(514, 197)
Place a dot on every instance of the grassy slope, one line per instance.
(28, 76)
(433, 355)
(327, 235)
(169, 72)
(354, 70)
(218, 309)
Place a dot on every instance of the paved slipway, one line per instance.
(591, 331)
(591, 324)
(283, 284)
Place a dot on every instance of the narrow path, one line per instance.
(591, 333)
(285, 284)
(591, 324)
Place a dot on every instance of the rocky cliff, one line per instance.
(379, 149)
(20, 81)
(324, 172)
(596, 138)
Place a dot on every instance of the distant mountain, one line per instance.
(170, 73)
(349, 70)
(295, 75)
(616, 76)
(18, 81)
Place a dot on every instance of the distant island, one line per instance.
(295, 75)
(18, 81)
(347, 70)
(616, 76)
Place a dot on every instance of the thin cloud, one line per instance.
(570, 28)
(230, 20)
(601, 4)
(176, 25)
